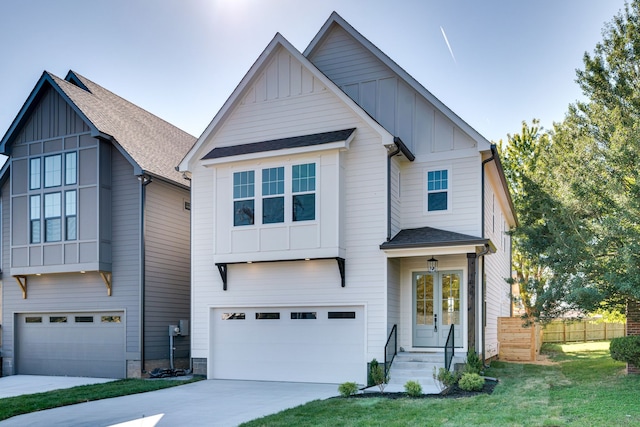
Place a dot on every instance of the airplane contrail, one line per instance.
(446, 40)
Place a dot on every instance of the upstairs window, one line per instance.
(71, 168)
(34, 219)
(53, 171)
(273, 195)
(437, 190)
(243, 198)
(52, 217)
(70, 212)
(34, 173)
(303, 187)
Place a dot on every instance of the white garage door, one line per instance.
(303, 344)
(71, 344)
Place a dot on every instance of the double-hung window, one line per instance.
(303, 188)
(437, 190)
(243, 198)
(52, 217)
(70, 212)
(34, 218)
(273, 195)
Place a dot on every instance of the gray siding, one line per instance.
(125, 215)
(167, 268)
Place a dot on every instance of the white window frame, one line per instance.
(449, 190)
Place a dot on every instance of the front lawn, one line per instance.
(585, 388)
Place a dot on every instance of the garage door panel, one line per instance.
(81, 346)
(300, 349)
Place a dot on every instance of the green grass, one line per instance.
(12, 406)
(585, 388)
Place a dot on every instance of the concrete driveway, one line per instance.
(204, 403)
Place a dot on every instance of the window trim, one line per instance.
(426, 192)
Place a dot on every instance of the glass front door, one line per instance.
(436, 306)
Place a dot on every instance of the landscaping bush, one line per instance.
(347, 389)
(378, 376)
(471, 382)
(626, 349)
(413, 388)
(444, 378)
(474, 364)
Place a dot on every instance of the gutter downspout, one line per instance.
(389, 156)
(482, 292)
(144, 181)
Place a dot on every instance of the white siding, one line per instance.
(497, 269)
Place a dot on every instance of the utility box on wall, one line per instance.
(184, 327)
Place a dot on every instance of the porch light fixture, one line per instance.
(432, 265)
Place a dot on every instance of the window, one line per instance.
(52, 217)
(34, 219)
(267, 316)
(233, 316)
(34, 174)
(70, 213)
(243, 202)
(71, 168)
(273, 185)
(53, 171)
(304, 315)
(303, 188)
(57, 319)
(437, 190)
(341, 315)
(84, 319)
(110, 319)
(34, 319)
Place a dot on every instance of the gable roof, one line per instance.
(151, 144)
(280, 42)
(335, 19)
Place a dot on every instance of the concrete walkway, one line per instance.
(16, 385)
(204, 403)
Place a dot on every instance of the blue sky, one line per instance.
(180, 59)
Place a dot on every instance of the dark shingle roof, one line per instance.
(280, 144)
(426, 237)
(154, 144)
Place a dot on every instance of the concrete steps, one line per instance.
(418, 367)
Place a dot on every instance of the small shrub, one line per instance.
(444, 378)
(474, 365)
(413, 388)
(471, 382)
(626, 349)
(372, 367)
(378, 376)
(348, 389)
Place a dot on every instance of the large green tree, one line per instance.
(581, 220)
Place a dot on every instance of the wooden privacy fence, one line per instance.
(581, 331)
(518, 343)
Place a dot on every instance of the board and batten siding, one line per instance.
(399, 108)
(497, 268)
(317, 282)
(167, 268)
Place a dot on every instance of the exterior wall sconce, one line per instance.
(432, 265)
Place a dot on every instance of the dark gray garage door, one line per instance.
(71, 344)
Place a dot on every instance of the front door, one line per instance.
(436, 306)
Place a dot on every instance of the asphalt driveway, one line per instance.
(203, 403)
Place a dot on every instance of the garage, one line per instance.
(300, 344)
(71, 344)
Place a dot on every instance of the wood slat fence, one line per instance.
(582, 331)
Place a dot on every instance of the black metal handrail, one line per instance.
(387, 362)
(449, 349)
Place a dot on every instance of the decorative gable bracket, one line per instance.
(223, 268)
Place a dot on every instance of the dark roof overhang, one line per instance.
(280, 144)
(428, 237)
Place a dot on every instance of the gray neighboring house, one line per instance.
(95, 244)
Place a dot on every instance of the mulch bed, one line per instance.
(454, 392)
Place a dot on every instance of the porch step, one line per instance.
(418, 367)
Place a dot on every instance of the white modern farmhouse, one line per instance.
(339, 208)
